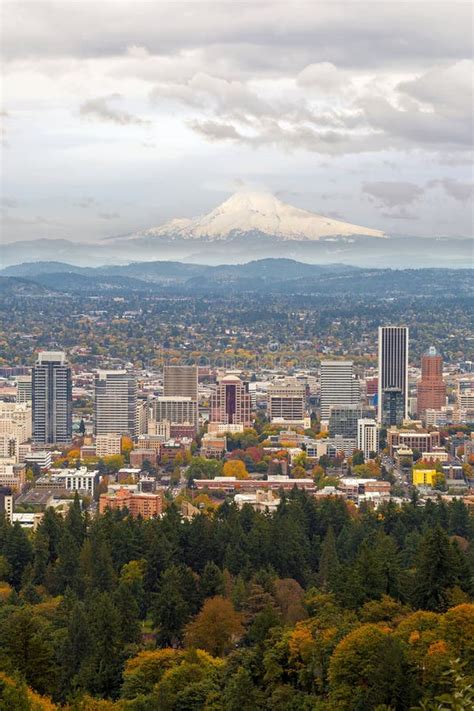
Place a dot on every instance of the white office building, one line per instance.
(339, 386)
(367, 436)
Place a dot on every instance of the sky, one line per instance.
(119, 115)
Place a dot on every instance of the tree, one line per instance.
(18, 552)
(235, 468)
(435, 572)
(328, 562)
(211, 582)
(172, 608)
(74, 649)
(143, 671)
(103, 667)
(368, 669)
(216, 628)
(26, 647)
(357, 457)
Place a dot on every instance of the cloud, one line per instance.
(108, 215)
(393, 194)
(400, 214)
(86, 203)
(215, 131)
(9, 203)
(323, 75)
(101, 110)
(462, 192)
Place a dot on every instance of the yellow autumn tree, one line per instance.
(235, 467)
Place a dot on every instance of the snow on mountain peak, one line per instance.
(248, 211)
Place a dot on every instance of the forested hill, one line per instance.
(275, 276)
(321, 606)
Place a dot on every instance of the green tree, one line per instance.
(435, 572)
(18, 552)
(328, 562)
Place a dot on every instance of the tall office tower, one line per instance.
(182, 381)
(23, 388)
(339, 386)
(51, 389)
(230, 404)
(115, 403)
(431, 389)
(286, 401)
(367, 436)
(392, 401)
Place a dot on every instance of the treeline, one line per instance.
(319, 606)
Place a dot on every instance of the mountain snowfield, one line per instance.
(247, 212)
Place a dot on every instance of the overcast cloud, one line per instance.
(153, 110)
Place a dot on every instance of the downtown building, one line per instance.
(367, 436)
(339, 386)
(231, 403)
(392, 400)
(51, 391)
(115, 406)
(431, 389)
(287, 402)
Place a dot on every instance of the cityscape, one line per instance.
(236, 356)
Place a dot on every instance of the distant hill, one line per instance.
(272, 276)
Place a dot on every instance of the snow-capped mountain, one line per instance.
(254, 212)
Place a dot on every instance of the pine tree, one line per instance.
(329, 562)
(101, 671)
(211, 582)
(75, 649)
(436, 571)
(18, 552)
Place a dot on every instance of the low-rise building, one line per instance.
(424, 477)
(42, 458)
(260, 501)
(275, 482)
(107, 445)
(416, 439)
(213, 447)
(146, 505)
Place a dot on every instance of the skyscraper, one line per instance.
(230, 404)
(431, 389)
(392, 405)
(286, 400)
(115, 403)
(181, 381)
(339, 385)
(52, 399)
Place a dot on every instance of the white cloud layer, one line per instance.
(155, 109)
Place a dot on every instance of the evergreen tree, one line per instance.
(74, 649)
(18, 552)
(101, 672)
(211, 582)
(328, 562)
(436, 571)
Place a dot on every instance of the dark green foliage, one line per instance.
(127, 585)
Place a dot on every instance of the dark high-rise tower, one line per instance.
(392, 407)
(51, 390)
